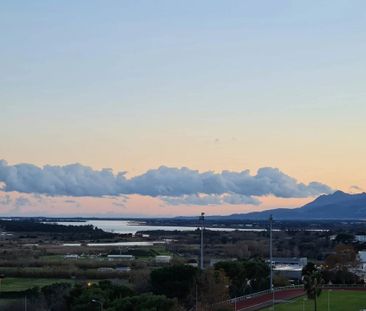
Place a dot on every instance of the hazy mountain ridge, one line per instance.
(339, 205)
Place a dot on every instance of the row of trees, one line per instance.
(104, 295)
(168, 288)
(68, 232)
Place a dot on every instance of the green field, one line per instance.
(6, 302)
(339, 300)
(19, 284)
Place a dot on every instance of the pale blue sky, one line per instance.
(179, 57)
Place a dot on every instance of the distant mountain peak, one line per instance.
(338, 205)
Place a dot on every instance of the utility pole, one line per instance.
(202, 220)
(271, 259)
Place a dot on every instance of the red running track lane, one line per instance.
(257, 303)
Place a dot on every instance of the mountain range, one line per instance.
(338, 205)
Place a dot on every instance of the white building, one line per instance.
(362, 257)
(72, 256)
(360, 238)
(291, 268)
(123, 269)
(163, 259)
(121, 257)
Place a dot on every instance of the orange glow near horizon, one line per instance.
(134, 206)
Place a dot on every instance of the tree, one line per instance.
(345, 238)
(140, 280)
(280, 280)
(245, 275)
(144, 302)
(54, 295)
(81, 296)
(312, 278)
(174, 281)
(212, 287)
(343, 256)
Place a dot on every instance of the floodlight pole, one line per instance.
(202, 220)
(328, 300)
(271, 259)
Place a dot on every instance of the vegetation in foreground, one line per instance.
(37, 259)
(170, 288)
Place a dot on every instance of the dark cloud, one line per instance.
(18, 202)
(355, 187)
(239, 199)
(70, 201)
(196, 199)
(193, 199)
(165, 182)
(5, 200)
(22, 201)
(119, 204)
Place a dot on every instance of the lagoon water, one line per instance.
(125, 226)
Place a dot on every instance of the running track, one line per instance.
(259, 302)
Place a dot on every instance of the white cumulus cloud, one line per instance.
(173, 185)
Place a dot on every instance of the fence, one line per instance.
(259, 300)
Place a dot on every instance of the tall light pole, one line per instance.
(202, 220)
(271, 259)
(328, 299)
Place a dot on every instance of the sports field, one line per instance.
(19, 284)
(339, 300)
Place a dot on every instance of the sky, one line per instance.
(215, 106)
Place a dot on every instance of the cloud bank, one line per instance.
(213, 199)
(173, 185)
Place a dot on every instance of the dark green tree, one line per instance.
(54, 295)
(313, 281)
(81, 296)
(144, 302)
(176, 281)
(245, 275)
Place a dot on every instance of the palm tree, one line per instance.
(313, 282)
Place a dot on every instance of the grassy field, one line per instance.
(340, 300)
(5, 302)
(19, 284)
